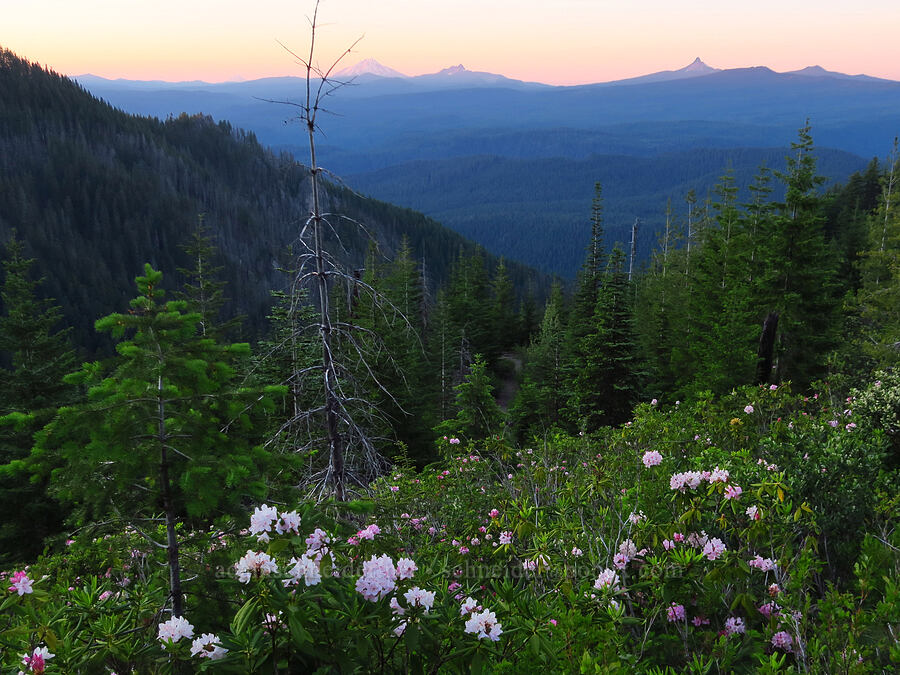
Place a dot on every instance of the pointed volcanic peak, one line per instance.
(369, 67)
(697, 68)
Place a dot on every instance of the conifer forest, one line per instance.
(254, 422)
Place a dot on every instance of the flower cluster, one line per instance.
(266, 518)
(207, 647)
(305, 568)
(37, 660)
(254, 564)
(764, 564)
(608, 579)
(651, 458)
(21, 584)
(380, 576)
(484, 625)
(174, 629)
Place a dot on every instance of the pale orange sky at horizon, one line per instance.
(569, 42)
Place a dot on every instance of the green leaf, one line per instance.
(243, 616)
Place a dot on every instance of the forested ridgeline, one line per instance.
(94, 193)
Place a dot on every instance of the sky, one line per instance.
(552, 41)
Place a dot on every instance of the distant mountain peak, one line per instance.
(453, 70)
(697, 66)
(369, 67)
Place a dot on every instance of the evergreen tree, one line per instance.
(797, 272)
(37, 355)
(164, 431)
(878, 299)
(540, 401)
(477, 414)
(203, 287)
(606, 388)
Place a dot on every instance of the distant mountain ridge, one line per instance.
(450, 121)
(95, 193)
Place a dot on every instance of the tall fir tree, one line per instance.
(797, 272)
(37, 355)
(606, 388)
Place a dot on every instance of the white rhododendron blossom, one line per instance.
(262, 520)
(416, 597)
(174, 629)
(484, 625)
(206, 647)
(288, 522)
(304, 568)
(396, 608)
(317, 541)
(469, 605)
(406, 568)
(254, 564)
(607, 579)
(379, 578)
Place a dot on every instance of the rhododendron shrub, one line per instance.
(692, 538)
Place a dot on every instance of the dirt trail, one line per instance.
(509, 384)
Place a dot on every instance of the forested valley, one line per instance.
(713, 429)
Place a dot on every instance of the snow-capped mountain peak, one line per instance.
(369, 67)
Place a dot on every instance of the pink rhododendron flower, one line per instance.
(782, 640)
(753, 513)
(748, 409)
(506, 537)
(733, 491)
(627, 548)
(668, 544)
(769, 609)
(484, 625)
(21, 584)
(317, 541)
(396, 608)
(607, 579)
(774, 589)
(206, 647)
(713, 549)
(378, 578)
(400, 629)
(620, 560)
(763, 564)
(174, 629)
(37, 660)
(675, 613)
(718, 475)
(494, 513)
(734, 625)
(454, 441)
(677, 537)
(395, 488)
(651, 458)
(577, 552)
(687, 479)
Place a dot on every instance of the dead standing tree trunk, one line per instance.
(352, 456)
